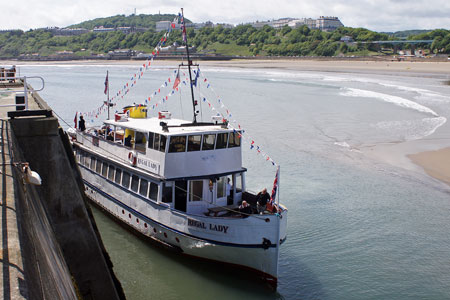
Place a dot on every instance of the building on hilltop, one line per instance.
(328, 23)
(323, 23)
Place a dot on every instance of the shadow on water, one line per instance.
(143, 266)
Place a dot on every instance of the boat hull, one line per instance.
(237, 244)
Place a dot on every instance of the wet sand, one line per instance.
(431, 68)
(435, 163)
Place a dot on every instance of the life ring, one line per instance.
(266, 243)
(132, 158)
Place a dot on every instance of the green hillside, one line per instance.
(242, 40)
(146, 21)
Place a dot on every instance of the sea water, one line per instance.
(358, 227)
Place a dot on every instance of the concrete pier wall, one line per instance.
(58, 252)
(41, 144)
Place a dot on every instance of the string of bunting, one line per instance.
(139, 74)
(227, 115)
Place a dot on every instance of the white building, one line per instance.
(328, 23)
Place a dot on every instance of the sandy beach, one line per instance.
(439, 69)
(435, 163)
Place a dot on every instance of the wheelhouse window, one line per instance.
(162, 143)
(234, 140)
(140, 141)
(195, 190)
(222, 139)
(208, 141)
(143, 187)
(151, 139)
(118, 176)
(134, 183)
(194, 142)
(156, 142)
(177, 144)
(125, 179)
(153, 191)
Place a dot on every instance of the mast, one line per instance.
(189, 66)
(107, 87)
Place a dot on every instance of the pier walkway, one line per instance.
(11, 273)
(50, 246)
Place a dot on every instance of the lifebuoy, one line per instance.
(266, 243)
(132, 158)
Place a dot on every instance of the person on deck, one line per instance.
(127, 141)
(262, 198)
(245, 208)
(82, 124)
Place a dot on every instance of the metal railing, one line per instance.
(26, 89)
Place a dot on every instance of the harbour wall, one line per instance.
(62, 252)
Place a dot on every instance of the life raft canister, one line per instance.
(132, 158)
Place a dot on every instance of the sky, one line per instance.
(377, 15)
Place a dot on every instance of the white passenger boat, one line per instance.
(180, 183)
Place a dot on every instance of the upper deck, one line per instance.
(169, 148)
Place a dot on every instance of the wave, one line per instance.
(399, 101)
(412, 130)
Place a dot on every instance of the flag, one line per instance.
(275, 186)
(75, 119)
(197, 75)
(177, 81)
(106, 83)
(183, 28)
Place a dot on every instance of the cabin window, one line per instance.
(162, 143)
(153, 191)
(221, 183)
(87, 160)
(105, 169)
(151, 139)
(238, 180)
(222, 139)
(118, 176)
(140, 141)
(156, 145)
(126, 179)
(93, 161)
(98, 168)
(143, 188)
(134, 183)
(111, 173)
(194, 142)
(177, 144)
(81, 159)
(195, 190)
(208, 141)
(235, 140)
(167, 193)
